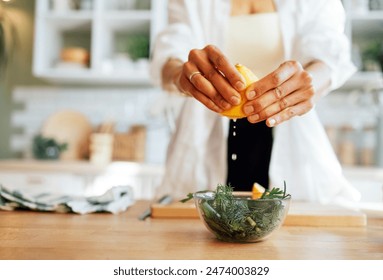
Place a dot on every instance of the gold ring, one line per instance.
(193, 74)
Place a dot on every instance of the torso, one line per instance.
(249, 145)
(246, 7)
(253, 36)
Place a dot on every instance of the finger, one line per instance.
(222, 85)
(200, 96)
(299, 81)
(221, 62)
(214, 76)
(268, 98)
(282, 104)
(204, 86)
(288, 113)
(276, 78)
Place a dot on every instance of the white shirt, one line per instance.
(301, 155)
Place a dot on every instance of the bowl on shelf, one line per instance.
(241, 218)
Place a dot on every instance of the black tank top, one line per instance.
(249, 153)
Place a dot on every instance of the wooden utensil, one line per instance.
(69, 127)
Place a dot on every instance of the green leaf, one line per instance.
(188, 197)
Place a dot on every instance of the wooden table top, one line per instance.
(43, 236)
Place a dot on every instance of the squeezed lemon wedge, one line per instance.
(257, 191)
(236, 112)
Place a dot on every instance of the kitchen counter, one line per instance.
(82, 167)
(31, 235)
(80, 177)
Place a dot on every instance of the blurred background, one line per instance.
(78, 111)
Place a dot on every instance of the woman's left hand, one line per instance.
(286, 92)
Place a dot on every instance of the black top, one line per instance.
(249, 153)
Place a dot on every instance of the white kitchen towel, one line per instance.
(115, 200)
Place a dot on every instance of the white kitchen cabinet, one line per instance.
(352, 115)
(363, 26)
(365, 29)
(104, 28)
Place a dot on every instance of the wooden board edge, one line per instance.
(165, 213)
(328, 221)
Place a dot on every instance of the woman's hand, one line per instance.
(209, 77)
(286, 92)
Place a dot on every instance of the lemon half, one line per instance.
(236, 112)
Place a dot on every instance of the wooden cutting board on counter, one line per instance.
(69, 127)
(300, 214)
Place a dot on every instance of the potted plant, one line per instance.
(373, 52)
(47, 148)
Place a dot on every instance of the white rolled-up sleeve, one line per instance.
(175, 41)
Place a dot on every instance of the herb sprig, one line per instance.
(276, 193)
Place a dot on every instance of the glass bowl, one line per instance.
(242, 219)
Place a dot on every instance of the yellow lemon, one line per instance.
(257, 191)
(236, 112)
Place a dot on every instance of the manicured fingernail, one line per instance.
(251, 94)
(225, 105)
(254, 118)
(235, 100)
(239, 85)
(248, 109)
(272, 122)
(217, 109)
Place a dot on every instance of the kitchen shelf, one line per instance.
(367, 27)
(81, 177)
(68, 16)
(86, 76)
(104, 30)
(368, 16)
(127, 16)
(75, 23)
(352, 117)
(363, 28)
(364, 80)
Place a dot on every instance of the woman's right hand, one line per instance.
(210, 78)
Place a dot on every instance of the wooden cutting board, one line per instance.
(300, 214)
(69, 127)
